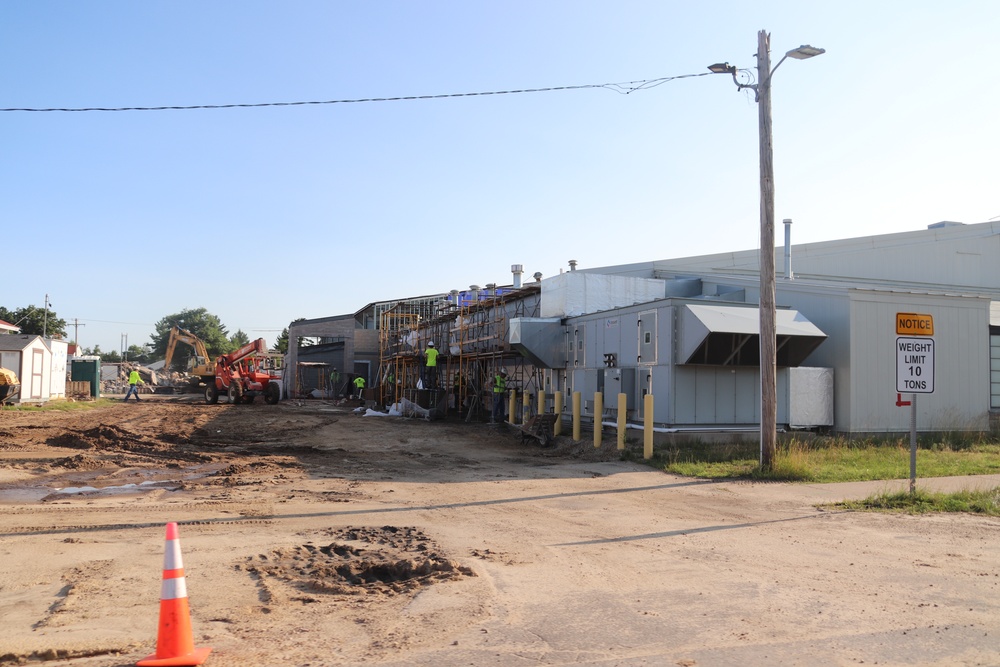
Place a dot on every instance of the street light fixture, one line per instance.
(723, 68)
(803, 52)
(766, 308)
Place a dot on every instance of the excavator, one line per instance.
(245, 374)
(200, 366)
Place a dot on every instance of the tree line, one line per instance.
(203, 324)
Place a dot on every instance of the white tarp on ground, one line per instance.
(577, 293)
(405, 408)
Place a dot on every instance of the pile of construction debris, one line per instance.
(154, 382)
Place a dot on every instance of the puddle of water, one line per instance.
(124, 488)
(32, 494)
(23, 495)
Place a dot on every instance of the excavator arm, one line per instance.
(203, 366)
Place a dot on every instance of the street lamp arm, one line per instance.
(726, 68)
(775, 69)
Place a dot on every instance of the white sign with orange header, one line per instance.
(914, 353)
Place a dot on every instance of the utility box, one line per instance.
(619, 381)
(593, 381)
(810, 397)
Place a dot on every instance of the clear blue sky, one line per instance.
(263, 215)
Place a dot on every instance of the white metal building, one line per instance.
(850, 291)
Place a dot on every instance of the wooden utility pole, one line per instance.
(768, 338)
(76, 331)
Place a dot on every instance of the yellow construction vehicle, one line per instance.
(200, 366)
(9, 385)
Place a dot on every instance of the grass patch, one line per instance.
(920, 502)
(836, 459)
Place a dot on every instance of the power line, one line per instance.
(623, 88)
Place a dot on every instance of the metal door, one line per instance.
(647, 337)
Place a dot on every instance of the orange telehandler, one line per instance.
(246, 373)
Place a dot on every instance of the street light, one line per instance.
(766, 308)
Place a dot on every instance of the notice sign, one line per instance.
(914, 324)
(914, 365)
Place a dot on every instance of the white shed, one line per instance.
(31, 358)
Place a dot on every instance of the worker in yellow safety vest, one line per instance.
(499, 391)
(133, 385)
(430, 370)
(359, 386)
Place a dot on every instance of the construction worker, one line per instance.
(133, 385)
(430, 371)
(499, 392)
(334, 382)
(359, 386)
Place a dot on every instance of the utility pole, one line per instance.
(768, 335)
(124, 346)
(76, 331)
(766, 305)
(45, 318)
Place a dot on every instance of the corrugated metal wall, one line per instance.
(961, 389)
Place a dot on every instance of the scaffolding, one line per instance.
(471, 332)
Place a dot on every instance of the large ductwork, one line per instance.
(540, 340)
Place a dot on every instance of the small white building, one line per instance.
(39, 364)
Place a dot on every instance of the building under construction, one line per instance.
(470, 329)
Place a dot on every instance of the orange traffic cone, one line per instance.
(174, 643)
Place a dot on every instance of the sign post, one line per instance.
(914, 371)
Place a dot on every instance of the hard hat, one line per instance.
(430, 344)
(503, 371)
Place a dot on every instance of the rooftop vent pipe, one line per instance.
(572, 265)
(517, 270)
(491, 289)
(475, 291)
(788, 249)
(537, 276)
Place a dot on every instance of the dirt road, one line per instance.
(312, 536)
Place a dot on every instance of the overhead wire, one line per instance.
(623, 88)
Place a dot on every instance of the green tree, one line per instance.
(112, 357)
(198, 321)
(239, 339)
(140, 354)
(281, 345)
(33, 320)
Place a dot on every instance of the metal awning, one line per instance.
(728, 336)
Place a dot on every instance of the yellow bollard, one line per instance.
(512, 407)
(647, 425)
(598, 418)
(576, 416)
(622, 409)
(541, 401)
(557, 400)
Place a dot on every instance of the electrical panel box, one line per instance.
(619, 381)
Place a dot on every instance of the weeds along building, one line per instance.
(686, 331)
